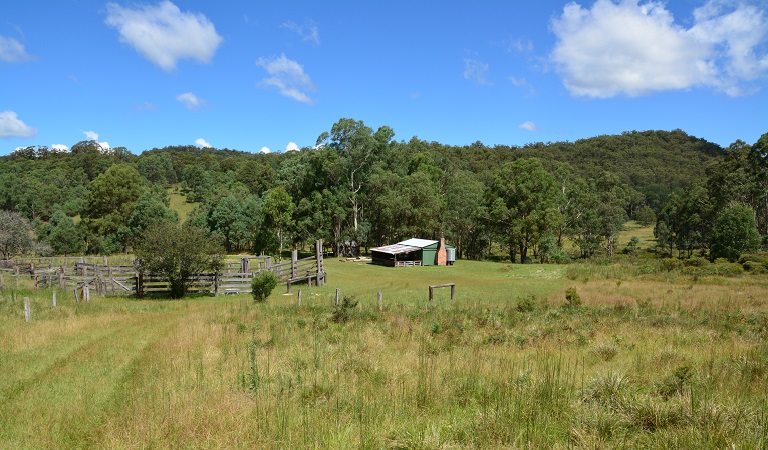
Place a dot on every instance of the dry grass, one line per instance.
(639, 364)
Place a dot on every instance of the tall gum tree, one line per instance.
(359, 149)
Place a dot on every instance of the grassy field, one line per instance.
(535, 356)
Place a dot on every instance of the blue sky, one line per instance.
(253, 76)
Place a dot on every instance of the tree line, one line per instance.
(360, 186)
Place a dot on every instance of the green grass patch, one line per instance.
(514, 361)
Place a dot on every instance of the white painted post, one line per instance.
(54, 299)
(27, 312)
(86, 293)
(336, 302)
(378, 297)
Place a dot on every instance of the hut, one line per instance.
(415, 252)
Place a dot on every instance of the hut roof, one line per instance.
(396, 249)
(410, 245)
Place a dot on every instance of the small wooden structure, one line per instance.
(413, 252)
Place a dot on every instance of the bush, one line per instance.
(573, 298)
(342, 313)
(262, 285)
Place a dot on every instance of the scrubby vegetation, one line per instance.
(524, 357)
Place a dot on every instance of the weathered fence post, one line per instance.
(378, 298)
(53, 301)
(2, 282)
(298, 301)
(431, 293)
(62, 279)
(27, 311)
(294, 258)
(86, 293)
(245, 265)
(77, 298)
(336, 302)
(319, 257)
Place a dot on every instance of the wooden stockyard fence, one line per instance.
(113, 280)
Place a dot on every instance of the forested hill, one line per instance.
(363, 185)
(649, 161)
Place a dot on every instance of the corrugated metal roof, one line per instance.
(421, 243)
(396, 249)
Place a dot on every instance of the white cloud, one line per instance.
(91, 135)
(476, 70)
(528, 126)
(307, 33)
(521, 83)
(636, 49)
(163, 34)
(104, 146)
(12, 51)
(200, 142)
(288, 77)
(190, 100)
(265, 150)
(520, 46)
(12, 127)
(60, 147)
(291, 147)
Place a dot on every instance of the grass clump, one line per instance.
(262, 285)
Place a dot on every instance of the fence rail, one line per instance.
(110, 280)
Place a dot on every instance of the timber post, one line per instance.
(294, 258)
(27, 310)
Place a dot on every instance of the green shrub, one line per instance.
(343, 312)
(526, 304)
(696, 261)
(262, 285)
(572, 297)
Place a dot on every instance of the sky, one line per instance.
(272, 76)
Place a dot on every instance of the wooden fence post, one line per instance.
(27, 311)
(77, 298)
(298, 302)
(62, 279)
(2, 282)
(53, 301)
(294, 258)
(431, 293)
(86, 293)
(319, 256)
(378, 298)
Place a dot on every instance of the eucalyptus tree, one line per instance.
(523, 204)
(14, 234)
(359, 148)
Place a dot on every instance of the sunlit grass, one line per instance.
(642, 363)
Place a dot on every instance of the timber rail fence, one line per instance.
(115, 280)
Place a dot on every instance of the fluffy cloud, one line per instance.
(528, 126)
(200, 142)
(475, 70)
(12, 127)
(308, 33)
(291, 147)
(190, 100)
(288, 77)
(265, 150)
(60, 147)
(104, 146)
(91, 135)
(636, 49)
(12, 51)
(163, 34)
